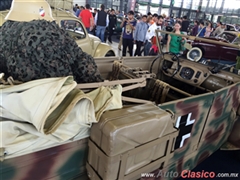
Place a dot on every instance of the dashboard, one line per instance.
(197, 74)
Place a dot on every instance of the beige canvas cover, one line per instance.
(48, 112)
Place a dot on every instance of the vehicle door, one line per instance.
(209, 50)
(77, 31)
(226, 52)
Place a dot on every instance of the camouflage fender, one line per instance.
(234, 137)
(195, 110)
(57, 163)
(102, 50)
(221, 118)
(214, 115)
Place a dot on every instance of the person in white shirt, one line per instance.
(150, 33)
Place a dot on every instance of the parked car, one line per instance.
(230, 27)
(214, 50)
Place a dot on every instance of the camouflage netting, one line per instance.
(5, 4)
(41, 49)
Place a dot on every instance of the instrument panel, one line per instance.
(197, 74)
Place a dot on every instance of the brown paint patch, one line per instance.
(180, 165)
(233, 92)
(218, 106)
(212, 136)
(42, 164)
(189, 108)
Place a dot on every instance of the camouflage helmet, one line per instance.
(28, 10)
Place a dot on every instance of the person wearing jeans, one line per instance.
(139, 34)
(127, 39)
(101, 21)
(151, 33)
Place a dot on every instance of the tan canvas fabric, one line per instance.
(106, 99)
(49, 112)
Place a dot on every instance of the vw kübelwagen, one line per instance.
(175, 113)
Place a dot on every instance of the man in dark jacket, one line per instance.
(112, 24)
(101, 21)
(195, 28)
(185, 25)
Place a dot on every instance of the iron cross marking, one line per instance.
(184, 124)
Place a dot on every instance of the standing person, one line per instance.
(154, 18)
(185, 25)
(87, 18)
(219, 29)
(94, 12)
(94, 27)
(202, 30)
(79, 11)
(75, 7)
(209, 29)
(195, 28)
(139, 34)
(151, 33)
(149, 21)
(117, 13)
(175, 43)
(101, 21)
(127, 39)
(112, 24)
(219, 23)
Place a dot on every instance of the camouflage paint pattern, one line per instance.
(59, 163)
(215, 115)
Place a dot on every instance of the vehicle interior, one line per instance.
(229, 37)
(74, 28)
(168, 77)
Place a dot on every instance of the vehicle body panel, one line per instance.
(212, 115)
(228, 53)
(208, 50)
(57, 163)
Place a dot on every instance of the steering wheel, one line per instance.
(175, 57)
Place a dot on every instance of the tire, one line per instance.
(195, 54)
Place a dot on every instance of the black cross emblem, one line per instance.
(184, 124)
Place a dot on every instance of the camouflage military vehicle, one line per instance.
(194, 109)
(162, 114)
(89, 43)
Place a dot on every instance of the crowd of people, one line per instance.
(142, 30)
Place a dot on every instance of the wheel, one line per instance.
(110, 53)
(194, 54)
